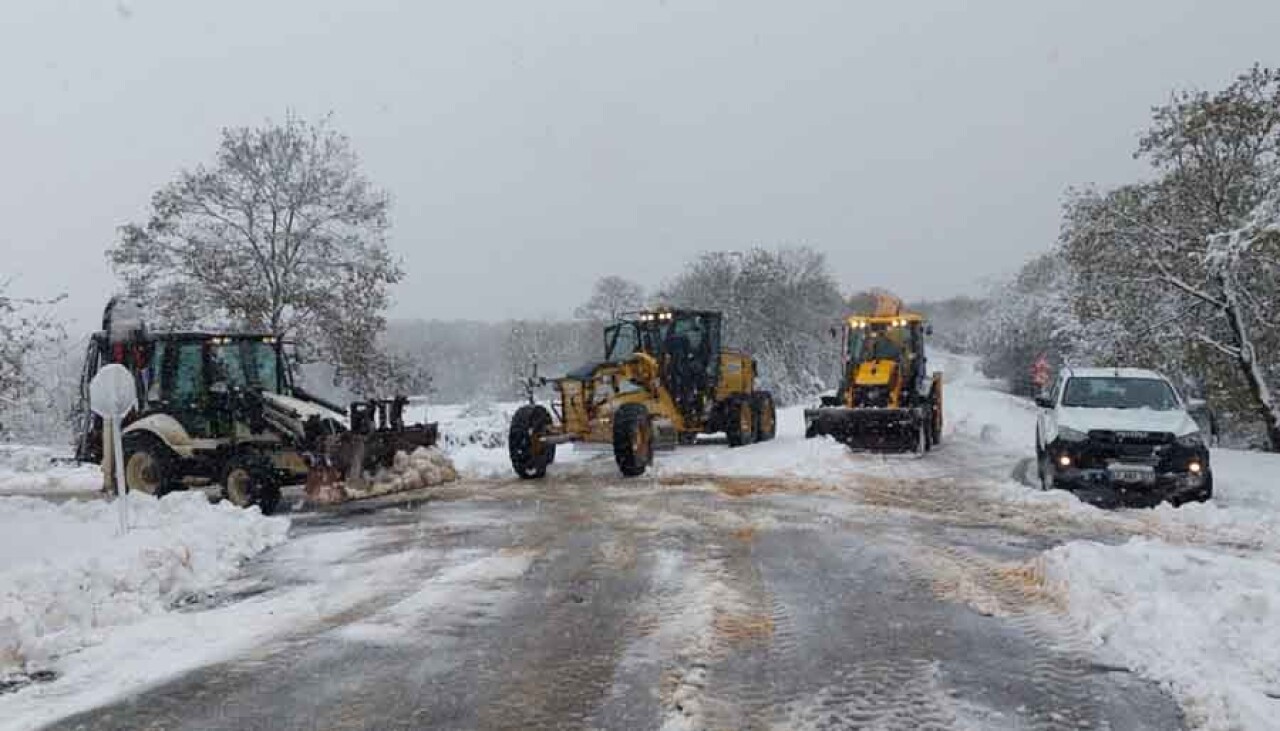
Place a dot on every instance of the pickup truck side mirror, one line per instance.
(1197, 404)
(1044, 402)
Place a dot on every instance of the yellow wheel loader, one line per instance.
(887, 400)
(664, 380)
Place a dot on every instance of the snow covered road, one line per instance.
(790, 584)
(673, 602)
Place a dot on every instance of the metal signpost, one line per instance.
(112, 395)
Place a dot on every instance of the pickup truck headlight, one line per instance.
(1193, 439)
(1067, 434)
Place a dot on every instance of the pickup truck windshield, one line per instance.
(1119, 393)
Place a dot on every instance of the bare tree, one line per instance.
(612, 296)
(282, 233)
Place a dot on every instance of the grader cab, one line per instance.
(887, 400)
(664, 380)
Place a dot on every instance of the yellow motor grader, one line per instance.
(887, 401)
(663, 381)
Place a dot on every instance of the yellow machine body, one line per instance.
(886, 399)
(665, 374)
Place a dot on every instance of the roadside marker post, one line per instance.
(112, 395)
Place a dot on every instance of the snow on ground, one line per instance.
(1204, 622)
(304, 583)
(26, 469)
(68, 579)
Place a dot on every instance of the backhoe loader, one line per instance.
(222, 408)
(663, 381)
(887, 400)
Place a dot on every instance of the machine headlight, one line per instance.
(1193, 439)
(1067, 434)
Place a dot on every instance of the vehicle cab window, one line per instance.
(187, 385)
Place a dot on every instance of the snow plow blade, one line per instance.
(875, 429)
(352, 466)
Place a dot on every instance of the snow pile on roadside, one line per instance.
(67, 578)
(1205, 623)
(29, 469)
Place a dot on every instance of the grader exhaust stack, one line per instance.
(887, 400)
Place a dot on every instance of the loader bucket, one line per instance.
(881, 430)
(352, 465)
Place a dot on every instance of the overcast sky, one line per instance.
(533, 146)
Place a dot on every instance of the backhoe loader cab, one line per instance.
(887, 398)
(665, 379)
(223, 408)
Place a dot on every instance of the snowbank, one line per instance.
(67, 578)
(1204, 622)
(31, 470)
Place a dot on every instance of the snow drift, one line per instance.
(1204, 622)
(67, 578)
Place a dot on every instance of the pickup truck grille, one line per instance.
(1130, 438)
(1134, 447)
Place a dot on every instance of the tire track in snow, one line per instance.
(1062, 662)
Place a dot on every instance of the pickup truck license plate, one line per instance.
(1132, 473)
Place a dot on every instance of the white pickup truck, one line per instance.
(1121, 436)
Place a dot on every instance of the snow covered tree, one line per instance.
(1030, 316)
(1183, 267)
(281, 233)
(778, 305)
(612, 296)
(29, 336)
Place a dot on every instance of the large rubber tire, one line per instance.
(921, 429)
(249, 478)
(632, 439)
(935, 420)
(150, 467)
(530, 454)
(766, 416)
(740, 421)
